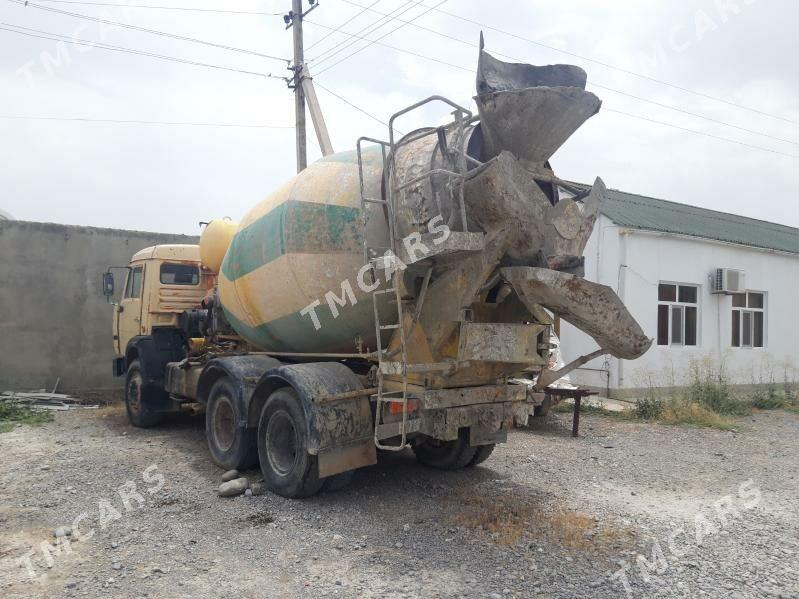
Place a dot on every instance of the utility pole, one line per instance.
(303, 89)
(299, 94)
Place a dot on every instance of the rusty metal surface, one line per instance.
(341, 423)
(530, 110)
(501, 342)
(496, 75)
(435, 399)
(593, 308)
(182, 380)
(456, 243)
(346, 395)
(488, 422)
(341, 459)
(533, 122)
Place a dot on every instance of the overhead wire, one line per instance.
(369, 28)
(396, 48)
(160, 7)
(36, 33)
(143, 122)
(374, 41)
(620, 69)
(355, 106)
(55, 37)
(703, 133)
(344, 24)
(597, 85)
(146, 30)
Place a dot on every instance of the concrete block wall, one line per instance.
(54, 320)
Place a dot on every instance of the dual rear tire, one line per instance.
(452, 455)
(231, 444)
(280, 443)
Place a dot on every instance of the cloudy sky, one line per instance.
(730, 66)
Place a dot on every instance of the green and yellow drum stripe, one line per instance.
(298, 244)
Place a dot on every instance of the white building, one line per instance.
(661, 258)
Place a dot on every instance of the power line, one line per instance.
(183, 8)
(586, 58)
(688, 112)
(358, 108)
(371, 42)
(620, 69)
(397, 49)
(694, 131)
(144, 29)
(344, 24)
(623, 93)
(142, 122)
(370, 28)
(63, 38)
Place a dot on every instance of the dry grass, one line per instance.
(507, 519)
(687, 412)
(502, 517)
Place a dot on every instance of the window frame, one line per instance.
(681, 308)
(129, 282)
(180, 264)
(750, 312)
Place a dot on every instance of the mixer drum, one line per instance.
(294, 247)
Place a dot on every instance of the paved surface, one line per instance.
(545, 516)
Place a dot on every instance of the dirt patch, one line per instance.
(259, 519)
(508, 518)
(547, 515)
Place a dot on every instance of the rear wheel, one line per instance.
(482, 454)
(446, 455)
(139, 398)
(288, 469)
(338, 481)
(231, 446)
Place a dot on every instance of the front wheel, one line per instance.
(231, 446)
(288, 469)
(139, 398)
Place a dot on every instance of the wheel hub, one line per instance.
(134, 394)
(224, 424)
(281, 443)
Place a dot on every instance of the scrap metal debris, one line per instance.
(44, 400)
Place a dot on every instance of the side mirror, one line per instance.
(108, 285)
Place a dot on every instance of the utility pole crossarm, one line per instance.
(316, 113)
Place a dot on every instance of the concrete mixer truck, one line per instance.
(384, 298)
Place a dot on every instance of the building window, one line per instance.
(748, 318)
(677, 314)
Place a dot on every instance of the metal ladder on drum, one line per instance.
(388, 363)
(383, 260)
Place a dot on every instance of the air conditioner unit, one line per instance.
(729, 280)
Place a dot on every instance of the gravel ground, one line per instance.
(648, 510)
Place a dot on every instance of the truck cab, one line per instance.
(162, 282)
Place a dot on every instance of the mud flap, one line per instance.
(340, 431)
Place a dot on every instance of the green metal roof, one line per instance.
(652, 214)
